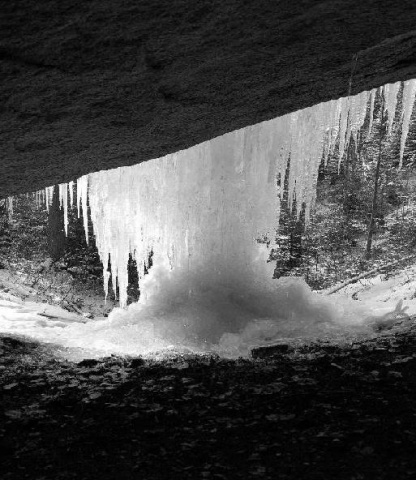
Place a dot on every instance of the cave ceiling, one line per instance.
(91, 85)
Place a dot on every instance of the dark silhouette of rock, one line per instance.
(94, 85)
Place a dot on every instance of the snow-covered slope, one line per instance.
(384, 291)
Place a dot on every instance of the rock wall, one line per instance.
(86, 86)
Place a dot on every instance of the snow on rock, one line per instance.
(382, 293)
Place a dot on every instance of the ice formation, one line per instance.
(409, 92)
(208, 216)
(371, 113)
(391, 90)
(206, 207)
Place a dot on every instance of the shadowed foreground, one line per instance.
(313, 411)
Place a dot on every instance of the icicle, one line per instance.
(10, 207)
(331, 131)
(63, 202)
(82, 194)
(360, 112)
(343, 123)
(79, 196)
(371, 114)
(47, 199)
(71, 193)
(391, 91)
(409, 92)
(48, 196)
(106, 278)
(356, 116)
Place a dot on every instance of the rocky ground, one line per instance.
(311, 411)
(322, 410)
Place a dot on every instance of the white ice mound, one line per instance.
(219, 319)
(199, 317)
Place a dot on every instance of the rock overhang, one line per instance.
(94, 85)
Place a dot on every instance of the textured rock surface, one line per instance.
(93, 85)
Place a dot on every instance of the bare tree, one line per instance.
(371, 223)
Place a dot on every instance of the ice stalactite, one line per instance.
(67, 189)
(373, 93)
(71, 193)
(344, 104)
(409, 92)
(45, 196)
(391, 91)
(82, 196)
(38, 197)
(356, 115)
(10, 207)
(63, 201)
(48, 197)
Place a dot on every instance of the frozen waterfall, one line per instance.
(205, 208)
(208, 215)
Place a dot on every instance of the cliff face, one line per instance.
(93, 85)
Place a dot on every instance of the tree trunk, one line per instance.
(375, 191)
(346, 193)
